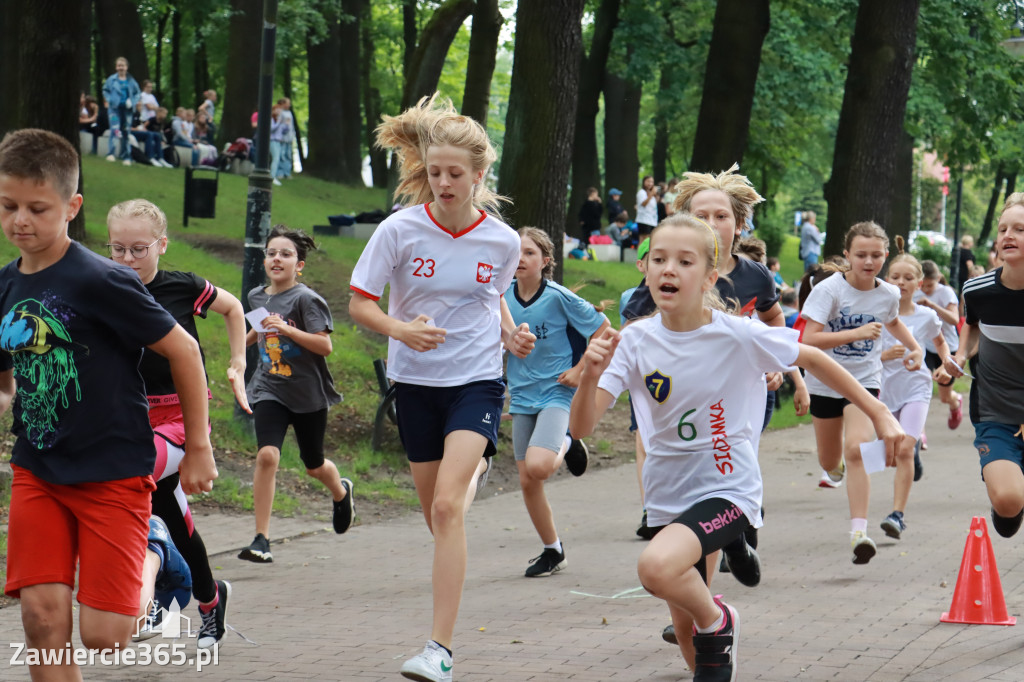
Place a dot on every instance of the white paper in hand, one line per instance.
(873, 454)
(256, 318)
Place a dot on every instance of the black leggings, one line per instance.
(189, 544)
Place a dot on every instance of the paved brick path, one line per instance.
(354, 607)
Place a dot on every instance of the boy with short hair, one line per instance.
(991, 335)
(72, 329)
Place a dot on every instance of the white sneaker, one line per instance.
(863, 547)
(827, 482)
(126, 162)
(481, 480)
(111, 157)
(277, 182)
(433, 665)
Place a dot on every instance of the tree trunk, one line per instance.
(542, 113)
(289, 92)
(734, 58)
(659, 155)
(902, 195)
(242, 75)
(84, 57)
(201, 69)
(47, 76)
(586, 169)
(621, 123)
(483, 51)
(10, 22)
(371, 103)
(351, 116)
(174, 92)
(325, 134)
(1011, 184)
(871, 119)
(432, 48)
(409, 33)
(158, 77)
(121, 36)
(993, 204)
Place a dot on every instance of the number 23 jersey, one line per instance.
(694, 393)
(455, 280)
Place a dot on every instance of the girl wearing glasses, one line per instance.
(137, 230)
(291, 384)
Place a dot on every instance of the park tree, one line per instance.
(872, 116)
(542, 113)
(586, 169)
(121, 36)
(483, 47)
(622, 97)
(424, 64)
(242, 77)
(46, 33)
(325, 64)
(734, 58)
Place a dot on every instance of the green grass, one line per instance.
(790, 266)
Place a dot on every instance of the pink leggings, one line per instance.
(912, 417)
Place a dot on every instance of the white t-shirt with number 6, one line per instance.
(696, 395)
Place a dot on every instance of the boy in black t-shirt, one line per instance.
(993, 334)
(72, 329)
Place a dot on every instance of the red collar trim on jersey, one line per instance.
(453, 234)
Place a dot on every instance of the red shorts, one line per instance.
(100, 526)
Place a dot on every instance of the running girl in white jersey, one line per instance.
(696, 376)
(542, 384)
(449, 260)
(908, 394)
(942, 299)
(845, 316)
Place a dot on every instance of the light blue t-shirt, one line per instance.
(623, 300)
(533, 382)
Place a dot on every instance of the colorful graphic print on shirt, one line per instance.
(42, 353)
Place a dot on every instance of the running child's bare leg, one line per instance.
(264, 484)
(857, 430)
(46, 617)
(150, 569)
(104, 629)
(828, 435)
(538, 466)
(445, 515)
(327, 473)
(1004, 481)
(667, 570)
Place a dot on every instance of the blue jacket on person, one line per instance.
(113, 91)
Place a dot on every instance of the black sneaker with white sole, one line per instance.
(344, 509)
(258, 551)
(716, 651)
(550, 561)
(212, 629)
(743, 562)
(577, 457)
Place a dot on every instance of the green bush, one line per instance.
(938, 253)
(773, 234)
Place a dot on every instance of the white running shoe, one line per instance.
(433, 665)
(827, 482)
(863, 547)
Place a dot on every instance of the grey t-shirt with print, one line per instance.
(288, 373)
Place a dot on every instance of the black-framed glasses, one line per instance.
(283, 253)
(138, 251)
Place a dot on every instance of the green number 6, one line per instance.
(683, 423)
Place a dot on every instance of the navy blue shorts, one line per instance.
(427, 414)
(996, 441)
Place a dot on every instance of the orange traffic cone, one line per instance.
(978, 597)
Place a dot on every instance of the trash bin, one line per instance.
(200, 193)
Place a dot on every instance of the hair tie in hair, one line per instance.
(714, 236)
